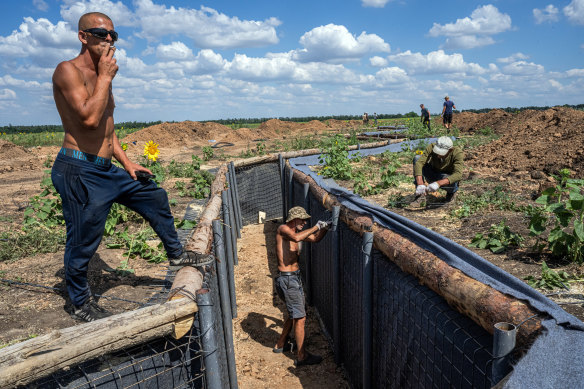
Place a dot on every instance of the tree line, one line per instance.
(11, 129)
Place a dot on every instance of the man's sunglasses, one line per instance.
(102, 33)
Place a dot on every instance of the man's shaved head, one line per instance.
(86, 20)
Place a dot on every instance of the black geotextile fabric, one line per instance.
(546, 346)
(321, 269)
(419, 340)
(351, 290)
(260, 189)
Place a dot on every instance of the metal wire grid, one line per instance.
(420, 342)
(351, 285)
(322, 268)
(260, 189)
(164, 363)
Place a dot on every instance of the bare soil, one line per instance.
(533, 146)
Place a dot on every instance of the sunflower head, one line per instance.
(124, 146)
(151, 151)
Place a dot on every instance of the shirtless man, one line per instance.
(83, 174)
(288, 282)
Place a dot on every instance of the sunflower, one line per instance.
(124, 146)
(151, 151)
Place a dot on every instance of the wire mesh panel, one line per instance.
(260, 189)
(351, 303)
(163, 363)
(322, 269)
(420, 342)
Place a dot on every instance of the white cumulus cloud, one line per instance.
(548, 14)
(473, 31)
(334, 43)
(176, 51)
(513, 58)
(523, 68)
(121, 15)
(374, 3)
(378, 61)
(435, 62)
(41, 41)
(7, 94)
(206, 27)
(41, 5)
(575, 11)
(391, 75)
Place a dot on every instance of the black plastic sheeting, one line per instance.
(563, 332)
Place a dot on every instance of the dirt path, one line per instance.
(259, 323)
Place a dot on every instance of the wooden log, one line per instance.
(187, 282)
(483, 304)
(201, 238)
(27, 361)
(300, 153)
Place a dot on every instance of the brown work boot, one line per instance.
(419, 201)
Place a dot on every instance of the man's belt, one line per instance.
(288, 273)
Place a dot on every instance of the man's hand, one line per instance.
(433, 187)
(132, 168)
(321, 224)
(107, 65)
(420, 190)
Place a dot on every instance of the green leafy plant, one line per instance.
(563, 210)
(207, 153)
(496, 198)
(550, 279)
(44, 209)
(260, 148)
(179, 170)
(499, 238)
(335, 159)
(362, 186)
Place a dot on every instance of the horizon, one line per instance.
(183, 60)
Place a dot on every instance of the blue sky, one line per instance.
(190, 60)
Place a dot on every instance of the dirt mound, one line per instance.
(181, 134)
(497, 119)
(532, 140)
(10, 151)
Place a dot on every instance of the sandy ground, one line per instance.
(259, 321)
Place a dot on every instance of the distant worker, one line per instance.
(441, 165)
(289, 238)
(447, 108)
(83, 173)
(425, 116)
(375, 118)
(365, 118)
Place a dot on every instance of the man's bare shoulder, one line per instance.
(284, 230)
(66, 70)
